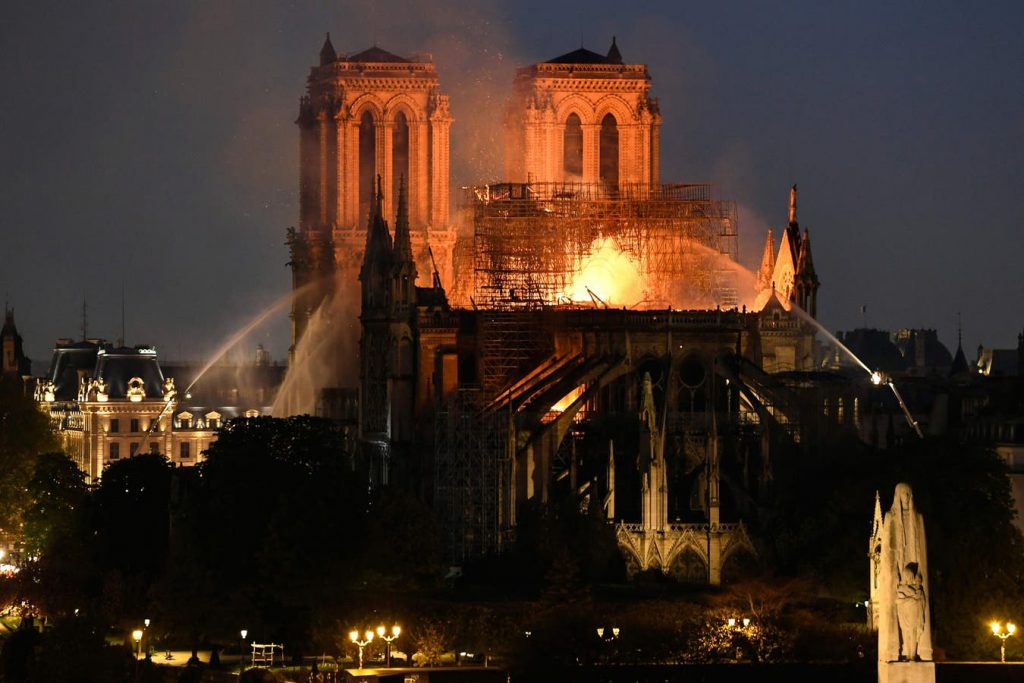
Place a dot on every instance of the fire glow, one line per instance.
(567, 400)
(609, 274)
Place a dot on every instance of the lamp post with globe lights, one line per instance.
(396, 631)
(1002, 634)
(241, 651)
(361, 643)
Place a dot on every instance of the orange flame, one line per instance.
(567, 400)
(612, 275)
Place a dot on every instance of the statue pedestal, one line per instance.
(906, 672)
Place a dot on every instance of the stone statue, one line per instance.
(910, 611)
(899, 591)
(169, 391)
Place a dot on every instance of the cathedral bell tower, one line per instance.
(583, 117)
(367, 121)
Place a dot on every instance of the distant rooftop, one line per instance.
(585, 56)
(375, 54)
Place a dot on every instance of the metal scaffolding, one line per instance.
(472, 477)
(530, 240)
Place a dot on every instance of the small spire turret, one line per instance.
(403, 241)
(378, 258)
(806, 278)
(327, 53)
(793, 231)
(614, 56)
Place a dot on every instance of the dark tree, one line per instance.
(24, 434)
(273, 522)
(131, 524)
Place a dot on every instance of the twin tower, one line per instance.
(581, 117)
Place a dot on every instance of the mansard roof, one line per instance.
(117, 366)
(69, 360)
(376, 54)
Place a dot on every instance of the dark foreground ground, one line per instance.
(946, 672)
(771, 673)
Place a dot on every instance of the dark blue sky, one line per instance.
(153, 142)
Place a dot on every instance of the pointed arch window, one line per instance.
(367, 162)
(572, 148)
(399, 154)
(609, 148)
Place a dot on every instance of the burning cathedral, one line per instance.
(579, 330)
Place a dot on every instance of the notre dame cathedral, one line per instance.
(582, 330)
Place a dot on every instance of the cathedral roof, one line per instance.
(585, 56)
(376, 54)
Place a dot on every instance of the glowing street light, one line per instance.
(1002, 635)
(612, 632)
(396, 631)
(367, 639)
(241, 651)
(137, 637)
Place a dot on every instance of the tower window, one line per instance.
(610, 152)
(399, 155)
(367, 162)
(572, 148)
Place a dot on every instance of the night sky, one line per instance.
(153, 143)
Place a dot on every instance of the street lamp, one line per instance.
(241, 651)
(367, 639)
(396, 631)
(1002, 635)
(612, 632)
(137, 637)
